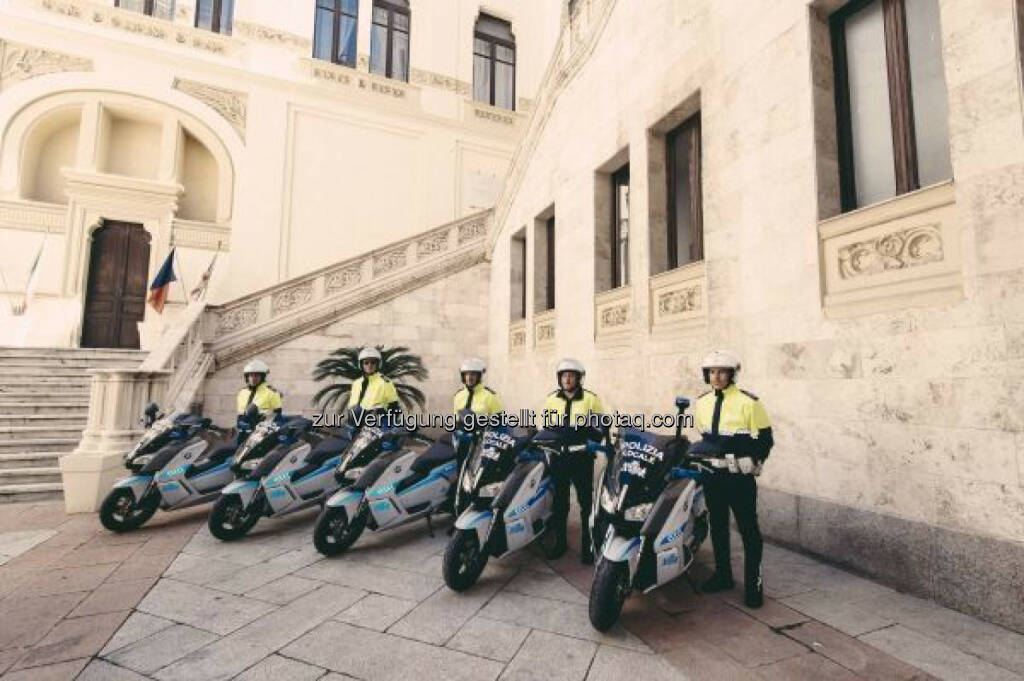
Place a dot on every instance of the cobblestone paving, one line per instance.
(171, 602)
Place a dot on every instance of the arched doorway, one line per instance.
(115, 298)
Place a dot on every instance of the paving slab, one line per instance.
(376, 611)
(617, 664)
(282, 626)
(72, 639)
(101, 670)
(806, 667)
(114, 596)
(14, 544)
(277, 668)
(283, 590)
(852, 653)
(160, 649)
(200, 607)
(547, 585)
(219, 661)
(437, 618)
(138, 626)
(66, 580)
(837, 612)
(25, 621)
(60, 671)
(489, 638)
(938, 659)
(550, 656)
(374, 656)
(373, 578)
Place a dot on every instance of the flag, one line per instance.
(33, 281)
(162, 284)
(204, 282)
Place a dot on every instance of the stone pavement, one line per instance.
(170, 602)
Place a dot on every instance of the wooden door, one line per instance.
(115, 298)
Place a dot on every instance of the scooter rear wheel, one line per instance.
(229, 520)
(334, 533)
(608, 593)
(463, 560)
(120, 512)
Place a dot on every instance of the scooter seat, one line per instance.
(439, 453)
(324, 450)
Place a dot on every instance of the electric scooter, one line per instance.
(181, 460)
(649, 517)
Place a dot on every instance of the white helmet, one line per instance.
(256, 366)
(473, 364)
(569, 364)
(720, 359)
(369, 353)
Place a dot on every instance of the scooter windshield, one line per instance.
(493, 458)
(260, 435)
(639, 462)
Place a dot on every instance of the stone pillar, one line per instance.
(116, 401)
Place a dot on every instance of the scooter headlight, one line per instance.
(143, 460)
(490, 490)
(607, 500)
(638, 512)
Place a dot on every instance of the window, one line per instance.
(494, 62)
(891, 107)
(334, 32)
(620, 227)
(215, 15)
(544, 261)
(161, 9)
(684, 212)
(389, 39)
(517, 262)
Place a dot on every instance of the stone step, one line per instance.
(51, 408)
(28, 372)
(75, 363)
(26, 445)
(29, 476)
(71, 353)
(42, 491)
(44, 391)
(30, 460)
(42, 422)
(48, 383)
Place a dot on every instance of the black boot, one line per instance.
(586, 550)
(753, 587)
(720, 581)
(561, 544)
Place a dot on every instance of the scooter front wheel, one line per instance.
(463, 560)
(230, 520)
(608, 593)
(120, 512)
(334, 533)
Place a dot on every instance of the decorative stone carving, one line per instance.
(271, 35)
(20, 62)
(679, 301)
(396, 91)
(545, 332)
(430, 245)
(443, 82)
(33, 217)
(389, 261)
(894, 251)
(208, 236)
(228, 103)
(616, 315)
(282, 301)
(475, 229)
(239, 317)
(332, 73)
(517, 339)
(493, 116)
(342, 278)
(139, 24)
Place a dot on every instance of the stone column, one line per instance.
(116, 401)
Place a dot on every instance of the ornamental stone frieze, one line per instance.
(893, 251)
(236, 318)
(231, 105)
(289, 298)
(274, 36)
(343, 277)
(679, 301)
(435, 243)
(20, 62)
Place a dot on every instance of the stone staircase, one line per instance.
(44, 401)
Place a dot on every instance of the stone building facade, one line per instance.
(883, 331)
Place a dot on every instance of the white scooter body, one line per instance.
(285, 495)
(390, 502)
(178, 489)
(527, 514)
(675, 542)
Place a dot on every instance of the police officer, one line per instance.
(736, 439)
(257, 390)
(573, 468)
(473, 394)
(373, 390)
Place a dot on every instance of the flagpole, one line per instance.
(181, 274)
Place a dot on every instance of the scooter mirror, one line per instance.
(682, 403)
(150, 414)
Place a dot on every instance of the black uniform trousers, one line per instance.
(737, 492)
(573, 469)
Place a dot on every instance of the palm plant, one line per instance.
(342, 366)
